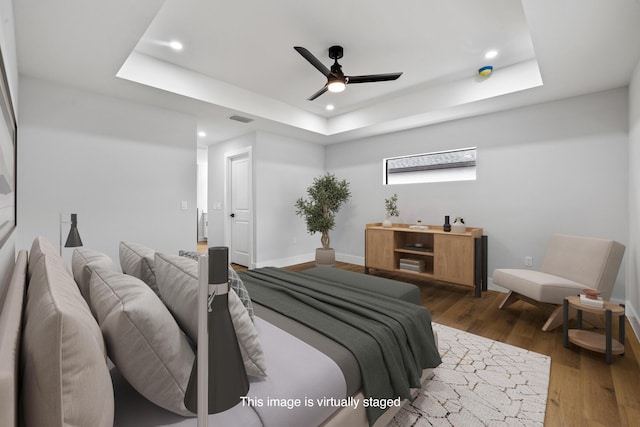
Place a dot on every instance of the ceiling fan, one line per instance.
(336, 80)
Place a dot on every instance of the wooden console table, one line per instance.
(432, 253)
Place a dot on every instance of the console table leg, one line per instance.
(477, 270)
(485, 265)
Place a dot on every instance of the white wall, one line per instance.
(554, 167)
(201, 190)
(124, 168)
(283, 168)
(633, 250)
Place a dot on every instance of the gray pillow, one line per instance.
(65, 378)
(178, 284)
(83, 262)
(143, 339)
(137, 260)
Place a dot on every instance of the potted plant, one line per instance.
(391, 207)
(325, 197)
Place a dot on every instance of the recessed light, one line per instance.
(176, 45)
(202, 134)
(491, 54)
(330, 107)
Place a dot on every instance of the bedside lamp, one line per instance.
(218, 357)
(73, 239)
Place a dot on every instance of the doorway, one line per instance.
(239, 203)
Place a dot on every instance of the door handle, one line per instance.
(232, 215)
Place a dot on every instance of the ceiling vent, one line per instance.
(241, 119)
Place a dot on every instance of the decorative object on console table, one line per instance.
(391, 208)
(447, 225)
(73, 239)
(419, 226)
(227, 378)
(458, 226)
(326, 196)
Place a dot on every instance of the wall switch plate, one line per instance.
(184, 205)
(528, 261)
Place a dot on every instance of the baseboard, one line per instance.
(301, 259)
(285, 262)
(632, 316)
(351, 259)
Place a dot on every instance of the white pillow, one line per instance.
(137, 260)
(143, 339)
(83, 262)
(178, 283)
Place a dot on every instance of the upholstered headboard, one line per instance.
(10, 330)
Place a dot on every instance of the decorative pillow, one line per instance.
(236, 284)
(143, 339)
(234, 280)
(84, 262)
(137, 260)
(189, 254)
(40, 246)
(178, 284)
(66, 381)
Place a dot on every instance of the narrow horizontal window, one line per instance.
(441, 166)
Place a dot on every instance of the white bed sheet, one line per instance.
(295, 370)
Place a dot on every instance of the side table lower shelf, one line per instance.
(594, 341)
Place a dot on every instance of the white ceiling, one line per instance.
(238, 57)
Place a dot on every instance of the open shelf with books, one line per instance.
(428, 252)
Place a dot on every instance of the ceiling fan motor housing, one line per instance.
(335, 52)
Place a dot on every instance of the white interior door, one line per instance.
(240, 210)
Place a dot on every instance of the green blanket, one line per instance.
(392, 340)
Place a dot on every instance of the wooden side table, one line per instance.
(592, 340)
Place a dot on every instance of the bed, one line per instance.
(95, 388)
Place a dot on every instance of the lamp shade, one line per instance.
(73, 239)
(227, 378)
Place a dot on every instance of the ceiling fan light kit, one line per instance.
(336, 86)
(336, 80)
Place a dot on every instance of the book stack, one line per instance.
(591, 302)
(409, 264)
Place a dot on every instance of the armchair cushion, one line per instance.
(540, 286)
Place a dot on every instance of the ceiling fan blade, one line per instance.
(313, 61)
(317, 94)
(370, 78)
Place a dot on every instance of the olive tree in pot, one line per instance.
(325, 197)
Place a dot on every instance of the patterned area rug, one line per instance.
(481, 382)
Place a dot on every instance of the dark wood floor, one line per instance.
(583, 389)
